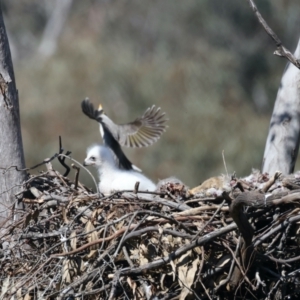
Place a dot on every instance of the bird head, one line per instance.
(98, 155)
(92, 156)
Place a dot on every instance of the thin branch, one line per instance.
(281, 50)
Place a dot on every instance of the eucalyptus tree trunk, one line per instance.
(282, 143)
(11, 146)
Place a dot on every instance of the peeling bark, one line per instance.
(11, 146)
(282, 143)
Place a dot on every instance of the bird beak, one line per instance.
(100, 108)
(84, 163)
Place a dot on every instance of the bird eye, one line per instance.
(93, 158)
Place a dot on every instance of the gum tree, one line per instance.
(11, 146)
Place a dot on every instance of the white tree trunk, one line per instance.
(54, 28)
(282, 143)
(11, 147)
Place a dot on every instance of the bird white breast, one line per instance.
(119, 180)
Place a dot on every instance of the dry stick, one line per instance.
(225, 281)
(254, 199)
(136, 187)
(197, 210)
(117, 234)
(205, 290)
(125, 233)
(104, 234)
(62, 160)
(281, 50)
(162, 261)
(114, 285)
(131, 265)
(160, 221)
(83, 211)
(274, 287)
(210, 220)
(202, 260)
(85, 246)
(141, 281)
(280, 261)
(191, 290)
(179, 206)
(163, 219)
(140, 232)
(224, 162)
(155, 264)
(20, 285)
(86, 277)
(238, 264)
(92, 292)
(290, 184)
(279, 227)
(209, 199)
(76, 175)
(270, 246)
(271, 181)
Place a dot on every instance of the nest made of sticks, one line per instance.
(229, 238)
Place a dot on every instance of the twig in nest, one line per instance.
(271, 181)
(76, 175)
(224, 162)
(62, 159)
(281, 50)
(177, 253)
(141, 281)
(281, 226)
(125, 233)
(209, 221)
(239, 266)
(136, 187)
(114, 285)
(227, 279)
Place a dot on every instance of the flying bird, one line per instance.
(111, 177)
(142, 132)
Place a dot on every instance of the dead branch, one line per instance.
(281, 50)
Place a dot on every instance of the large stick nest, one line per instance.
(70, 243)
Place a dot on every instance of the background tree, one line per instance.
(282, 144)
(11, 146)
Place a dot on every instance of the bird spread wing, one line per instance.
(89, 110)
(143, 131)
(109, 132)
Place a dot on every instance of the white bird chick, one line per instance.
(111, 177)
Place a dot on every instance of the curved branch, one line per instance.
(281, 50)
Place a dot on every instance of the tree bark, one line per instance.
(54, 28)
(282, 143)
(11, 146)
